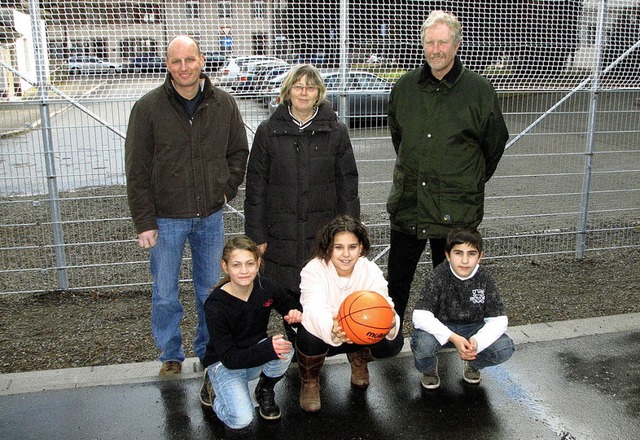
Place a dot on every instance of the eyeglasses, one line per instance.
(300, 88)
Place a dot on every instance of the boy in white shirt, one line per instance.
(460, 307)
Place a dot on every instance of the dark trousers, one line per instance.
(404, 255)
(290, 330)
(311, 345)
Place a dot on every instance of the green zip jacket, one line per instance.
(449, 136)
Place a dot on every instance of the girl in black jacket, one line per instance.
(239, 349)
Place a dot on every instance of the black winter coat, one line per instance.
(297, 180)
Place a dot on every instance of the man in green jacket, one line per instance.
(449, 135)
(185, 156)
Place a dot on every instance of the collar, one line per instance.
(205, 84)
(475, 270)
(451, 76)
(173, 84)
(305, 124)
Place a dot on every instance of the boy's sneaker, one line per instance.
(206, 391)
(431, 381)
(170, 368)
(470, 374)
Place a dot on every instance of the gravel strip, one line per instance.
(78, 329)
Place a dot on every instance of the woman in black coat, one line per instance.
(301, 174)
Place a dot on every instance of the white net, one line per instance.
(518, 44)
(567, 73)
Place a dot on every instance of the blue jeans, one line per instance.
(206, 239)
(233, 403)
(425, 348)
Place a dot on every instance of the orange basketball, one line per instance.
(366, 317)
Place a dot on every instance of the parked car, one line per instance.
(252, 75)
(89, 64)
(262, 76)
(147, 63)
(367, 95)
(271, 91)
(234, 66)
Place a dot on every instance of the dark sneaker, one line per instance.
(470, 374)
(431, 380)
(265, 396)
(206, 391)
(170, 368)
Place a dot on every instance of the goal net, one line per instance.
(518, 44)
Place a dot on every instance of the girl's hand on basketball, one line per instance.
(293, 317)
(281, 346)
(339, 333)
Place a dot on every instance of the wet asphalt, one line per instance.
(568, 380)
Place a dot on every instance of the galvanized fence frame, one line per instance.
(569, 182)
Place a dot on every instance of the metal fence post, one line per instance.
(47, 140)
(593, 109)
(343, 103)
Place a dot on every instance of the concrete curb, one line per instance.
(36, 381)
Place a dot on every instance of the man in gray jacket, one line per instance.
(185, 155)
(449, 135)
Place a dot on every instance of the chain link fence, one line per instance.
(567, 72)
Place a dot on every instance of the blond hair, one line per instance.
(313, 78)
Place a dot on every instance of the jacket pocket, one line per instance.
(397, 188)
(462, 205)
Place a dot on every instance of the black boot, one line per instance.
(266, 397)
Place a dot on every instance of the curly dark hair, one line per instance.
(342, 223)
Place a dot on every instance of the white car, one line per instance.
(234, 65)
(88, 64)
(271, 91)
(247, 78)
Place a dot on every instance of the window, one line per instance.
(258, 9)
(193, 8)
(224, 8)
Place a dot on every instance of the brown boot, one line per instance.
(359, 370)
(310, 367)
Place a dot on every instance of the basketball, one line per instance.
(366, 317)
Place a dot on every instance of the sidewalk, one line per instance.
(571, 380)
(36, 381)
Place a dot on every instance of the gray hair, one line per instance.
(437, 17)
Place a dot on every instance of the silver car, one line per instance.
(89, 64)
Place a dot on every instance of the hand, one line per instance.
(148, 239)
(281, 346)
(293, 317)
(262, 248)
(339, 333)
(466, 349)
